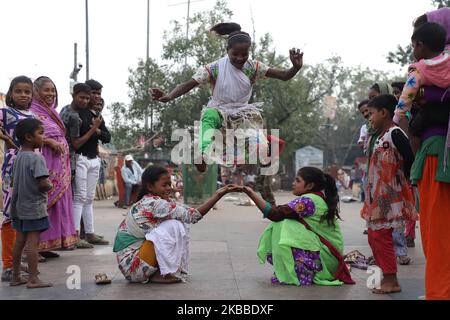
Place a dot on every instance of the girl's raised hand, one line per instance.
(296, 57)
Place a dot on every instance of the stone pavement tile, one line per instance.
(223, 263)
(192, 290)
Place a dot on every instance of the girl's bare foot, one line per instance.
(388, 285)
(17, 281)
(38, 283)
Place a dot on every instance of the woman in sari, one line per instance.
(61, 234)
(431, 173)
(152, 243)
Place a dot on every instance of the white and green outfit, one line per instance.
(231, 92)
(298, 254)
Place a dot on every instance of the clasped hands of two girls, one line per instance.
(233, 188)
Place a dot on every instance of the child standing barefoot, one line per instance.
(389, 198)
(29, 201)
(18, 101)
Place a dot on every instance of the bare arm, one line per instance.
(297, 62)
(44, 184)
(54, 145)
(9, 143)
(209, 204)
(179, 90)
(275, 214)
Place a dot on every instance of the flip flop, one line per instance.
(102, 278)
(98, 241)
(83, 244)
(49, 254)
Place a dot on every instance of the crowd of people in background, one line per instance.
(56, 211)
(406, 140)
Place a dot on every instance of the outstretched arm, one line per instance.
(209, 204)
(179, 90)
(275, 214)
(297, 63)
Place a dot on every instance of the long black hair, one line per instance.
(233, 32)
(20, 79)
(323, 182)
(150, 176)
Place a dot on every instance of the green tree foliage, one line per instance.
(441, 3)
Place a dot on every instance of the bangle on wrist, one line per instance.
(267, 209)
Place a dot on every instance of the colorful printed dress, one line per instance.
(10, 117)
(143, 221)
(389, 196)
(298, 255)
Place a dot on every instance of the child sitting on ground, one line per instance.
(305, 243)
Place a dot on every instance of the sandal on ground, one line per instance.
(98, 241)
(404, 260)
(83, 244)
(49, 254)
(371, 261)
(7, 274)
(102, 278)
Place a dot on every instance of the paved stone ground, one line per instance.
(223, 263)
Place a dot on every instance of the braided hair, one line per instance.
(323, 182)
(232, 31)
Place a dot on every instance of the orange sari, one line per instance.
(435, 231)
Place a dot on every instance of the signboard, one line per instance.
(308, 157)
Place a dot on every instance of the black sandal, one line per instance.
(49, 254)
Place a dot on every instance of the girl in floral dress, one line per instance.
(389, 197)
(18, 101)
(304, 242)
(152, 243)
(231, 79)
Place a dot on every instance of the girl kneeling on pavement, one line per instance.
(304, 242)
(152, 243)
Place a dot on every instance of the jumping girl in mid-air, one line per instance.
(231, 79)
